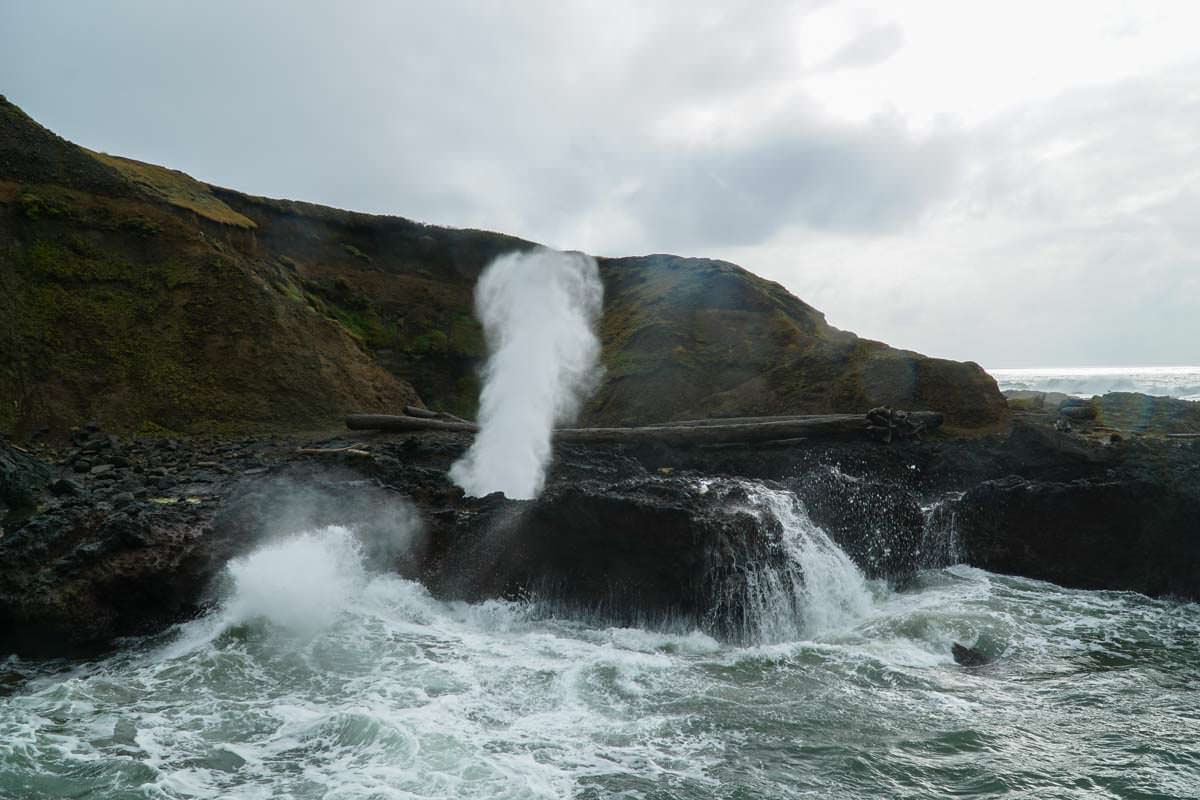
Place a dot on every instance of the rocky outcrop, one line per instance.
(126, 536)
(22, 477)
(877, 520)
(1125, 412)
(122, 541)
(687, 337)
(1134, 533)
(131, 535)
(74, 581)
(646, 550)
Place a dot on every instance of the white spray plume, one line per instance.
(538, 311)
(299, 583)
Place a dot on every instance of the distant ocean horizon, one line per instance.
(1180, 382)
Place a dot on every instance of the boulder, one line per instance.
(1140, 533)
(22, 477)
(1077, 408)
(877, 520)
(969, 656)
(635, 552)
(74, 580)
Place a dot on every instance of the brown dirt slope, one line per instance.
(140, 295)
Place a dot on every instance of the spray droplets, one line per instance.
(538, 311)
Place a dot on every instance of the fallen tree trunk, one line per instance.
(714, 421)
(746, 430)
(353, 450)
(690, 432)
(403, 423)
(425, 413)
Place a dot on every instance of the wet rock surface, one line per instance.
(1118, 532)
(640, 550)
(22, 477)
(123, 540)
(121, 537)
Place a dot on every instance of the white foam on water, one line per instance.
(694, 642)
(398, 694)
(370, 687)
(299, 583)
(1179, 382)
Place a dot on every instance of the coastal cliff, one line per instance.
(168, 349)
(139, 297)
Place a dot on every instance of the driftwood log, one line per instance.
(425, 413)
(403, 423)
(887, 424)
(697, 432)
(352, 450)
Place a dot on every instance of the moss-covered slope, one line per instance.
(695, 337)
(139, 295)
(119, 305)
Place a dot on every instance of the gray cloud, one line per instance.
(1076, 241)
(1061, 231)
(464, 115)
(873, 45)
(857, 180)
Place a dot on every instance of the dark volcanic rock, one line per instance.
(628, 535)
(969, 656)
(684, 550)
(74, 580)
(638, 551)
(21, 477)
(66, 486)
(1132, 533)
(878, 521)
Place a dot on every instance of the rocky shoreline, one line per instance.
(160, 305)
(108, 537)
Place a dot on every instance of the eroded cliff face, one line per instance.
(136, 295)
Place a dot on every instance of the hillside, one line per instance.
(138, 296)
(122, 305)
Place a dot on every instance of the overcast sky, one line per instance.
(1012, 183)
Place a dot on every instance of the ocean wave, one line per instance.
(1179, 382)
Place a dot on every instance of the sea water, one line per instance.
(1179, 382)
(316, 678)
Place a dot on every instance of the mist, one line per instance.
(538, 310)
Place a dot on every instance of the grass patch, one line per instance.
(289, 290)
(365, 325)
(32, 206)
(177, 188)
(354, 251)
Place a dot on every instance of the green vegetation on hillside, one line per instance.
(138, 295)
(115, 305)
(176, 188)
